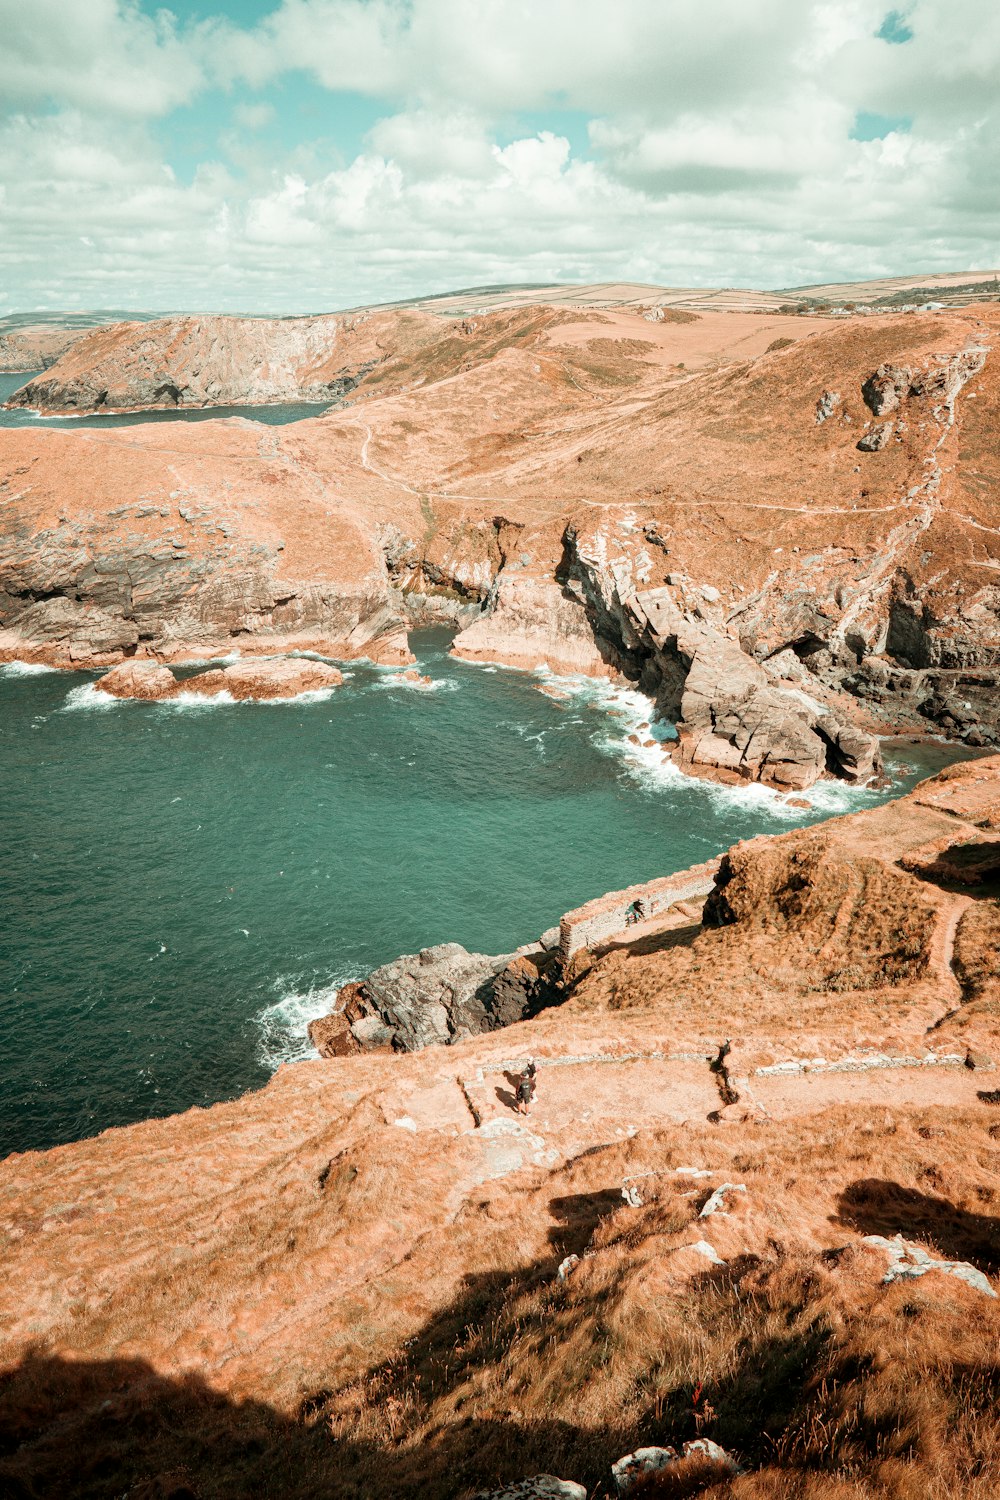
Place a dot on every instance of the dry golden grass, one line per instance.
(823, 1382)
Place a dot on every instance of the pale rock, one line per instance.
(910, 1261)
(541, 1487)
(716, 1203)
(567, 1267)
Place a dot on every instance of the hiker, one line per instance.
(633, 914)
(526, 1087)
(719, 1065)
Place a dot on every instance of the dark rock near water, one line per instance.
(435, 997)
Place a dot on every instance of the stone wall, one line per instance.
(607, 916)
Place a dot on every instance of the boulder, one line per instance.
(138, 679)
(885, 388)
(269, 677)
(694, 1459)
(875, 439)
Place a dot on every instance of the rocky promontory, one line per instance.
(209, 361)
(436, 997)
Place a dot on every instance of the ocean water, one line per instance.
(273, 416)
(183, 886)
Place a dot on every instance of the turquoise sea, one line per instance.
(183, 886)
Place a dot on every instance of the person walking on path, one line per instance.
(526, 1087)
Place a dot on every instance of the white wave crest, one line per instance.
(88, 696)
(283, 1026)
(223, 698)
(24, 668)
(632, 714)
(399, 680)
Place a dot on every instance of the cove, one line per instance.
(276, 415)
(183, 886)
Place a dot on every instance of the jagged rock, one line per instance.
(885, 388)
(443, 994)
(741, 724)
(716, 1203)
(332, 1037)
(371, 1033)
(827, 405)
(876, 438)
(541, 1487)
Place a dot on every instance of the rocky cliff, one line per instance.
(211, 361)
(754, 1202)
(791, 542)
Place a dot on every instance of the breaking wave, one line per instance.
(24, 668)
(398, 680)
(86, 696)
(282, 1027)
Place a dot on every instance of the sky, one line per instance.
(283, 156)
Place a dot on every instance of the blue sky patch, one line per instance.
(895, 28)
(873, 127)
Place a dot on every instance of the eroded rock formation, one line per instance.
(259, 680)
(436, 997)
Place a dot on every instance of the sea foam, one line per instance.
(627, 709)
(283, 1025)
(24, 668)
(87, 696)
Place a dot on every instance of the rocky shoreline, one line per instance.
(735, 544)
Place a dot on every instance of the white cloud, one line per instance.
(428, 143)
(103, 55)
(720, 148)
(254, 116)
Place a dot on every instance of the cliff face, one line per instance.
(375, 1277)
(213, 361)
(790, 547)
(24, 349)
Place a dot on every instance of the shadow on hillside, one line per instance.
(651, 942)
(117, 1430)
(577, 1216)
(875, 1206)
(92, 1430)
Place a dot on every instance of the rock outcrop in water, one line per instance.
(436, 997)
(547, 481)
(348, 1282)
(254, 680)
